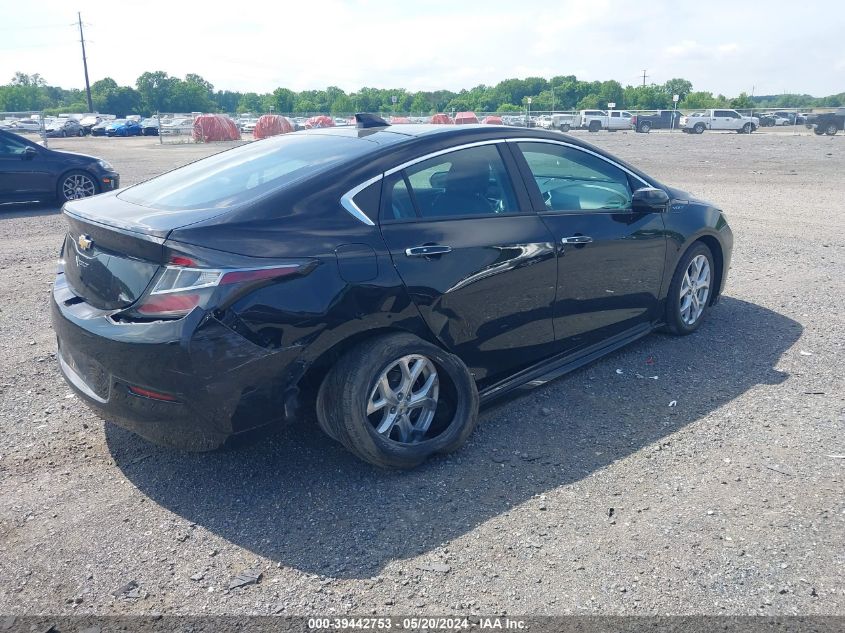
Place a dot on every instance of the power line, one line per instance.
(35, 27)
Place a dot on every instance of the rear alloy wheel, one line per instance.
(75, 185)
(594, 126)
(645, 127)
(396, 400)
(747, 128)
(698, 128)
(565, 127)
(690, 291)
(818, 131)
(831, 129)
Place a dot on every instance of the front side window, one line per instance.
(11, 147)
(572, 180)
(471, 181)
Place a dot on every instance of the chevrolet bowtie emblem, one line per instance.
(85, 242)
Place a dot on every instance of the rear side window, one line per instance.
(244, 173)
(572, 180)
(471, 181)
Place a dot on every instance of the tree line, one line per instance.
(159, 92)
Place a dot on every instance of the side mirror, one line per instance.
(649, 199)
(29, 153)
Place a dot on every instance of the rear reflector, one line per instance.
(166, 304)
(154, 395)
(239, 276)
(180, 260)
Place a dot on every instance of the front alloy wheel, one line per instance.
(695, 289)
(76, 185)
(691, 290)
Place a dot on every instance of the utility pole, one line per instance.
(85, 64)
(644, 76)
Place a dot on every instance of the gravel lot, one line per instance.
(589, 495)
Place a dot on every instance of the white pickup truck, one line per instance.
(566, 121)
(595, 120)
(719, 120)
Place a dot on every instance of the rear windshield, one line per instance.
(244, 173)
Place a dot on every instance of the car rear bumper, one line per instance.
(217, 383)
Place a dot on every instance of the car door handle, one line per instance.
(577, 239)
(427, 251)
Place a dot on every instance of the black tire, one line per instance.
(831, 129)
(698, 128)
(675, 324)
(83, 176)
(80, 133)
(64, 134)
(818, 131)
(645, 127)
(746, 129)
(349, 386)
(594, 126)
(565, 127)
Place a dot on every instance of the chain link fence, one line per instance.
(178, 127)
(31, 124)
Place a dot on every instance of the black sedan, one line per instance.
(389, 278)
(32, 173)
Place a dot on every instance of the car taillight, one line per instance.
(179, 289)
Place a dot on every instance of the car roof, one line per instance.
(407, 132)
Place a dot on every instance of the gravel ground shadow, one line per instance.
(14, 210)
(302, 500)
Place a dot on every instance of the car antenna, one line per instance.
(364, 120)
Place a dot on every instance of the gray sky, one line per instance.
(725, 47)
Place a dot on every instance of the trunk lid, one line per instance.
(114, 248)
(106, 266)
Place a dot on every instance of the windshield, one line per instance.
(244, 173)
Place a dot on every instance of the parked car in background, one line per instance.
(827, 122)
(247, 125)
(149, 126)
(26, 125)
(30, 172)
(660, 120)
(123, 127)
(390, 282)
(88, 122)
(595, 120)
(791, 117)
(766, 119)
(100, 128)
(565, 121)
(779, 120)
(544, 121)
(697, 122)
(63, 128)
(183, 125)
